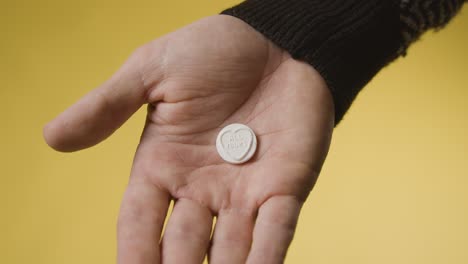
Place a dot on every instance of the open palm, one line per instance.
(197, 80)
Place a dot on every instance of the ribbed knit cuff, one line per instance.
(346, 41)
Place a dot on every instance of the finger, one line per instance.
(140, 224)
(274, 230)
(187, 233)
(232, 237)
(99, 113)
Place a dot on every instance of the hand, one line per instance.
(195, 81)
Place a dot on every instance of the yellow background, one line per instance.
(393, 190)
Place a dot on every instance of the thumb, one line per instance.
(99, 113)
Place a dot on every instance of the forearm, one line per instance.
(346, 41)
(418, 16)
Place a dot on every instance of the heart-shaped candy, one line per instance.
(236, 143)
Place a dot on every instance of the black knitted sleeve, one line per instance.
(347, 41)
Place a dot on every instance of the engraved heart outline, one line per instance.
(245, 151)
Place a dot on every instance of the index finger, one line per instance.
(140, 223)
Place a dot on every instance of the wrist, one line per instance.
(347, 42)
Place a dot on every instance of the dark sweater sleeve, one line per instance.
(346, 41)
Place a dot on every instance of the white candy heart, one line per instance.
(236, 143)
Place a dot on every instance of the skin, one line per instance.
(214, 72)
